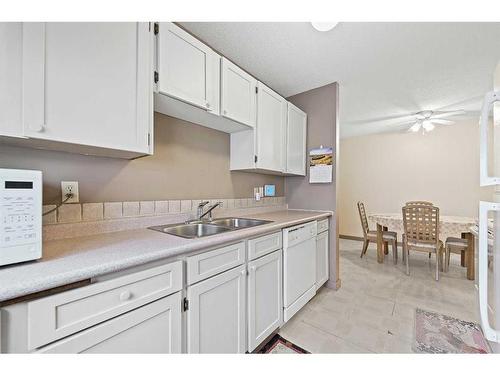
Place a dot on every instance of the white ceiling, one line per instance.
(384, 69)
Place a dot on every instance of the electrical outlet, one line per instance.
(70, 187)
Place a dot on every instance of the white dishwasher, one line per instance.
(299, 267)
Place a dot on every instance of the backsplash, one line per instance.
(75, 220)
(86, 212)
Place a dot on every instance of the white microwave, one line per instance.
(20, 215)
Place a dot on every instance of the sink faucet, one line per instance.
(199, 212)
(208, 211)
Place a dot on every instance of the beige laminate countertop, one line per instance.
(71, 260)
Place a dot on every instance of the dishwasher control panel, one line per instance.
(299, 233)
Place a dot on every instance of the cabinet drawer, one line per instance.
(204, 265)
(264, 245)
(60, 315)
(322, 225)
(159, 322)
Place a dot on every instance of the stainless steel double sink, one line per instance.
(197, 229)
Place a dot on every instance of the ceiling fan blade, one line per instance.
(443, 114)
(441, 121)
(385, 119)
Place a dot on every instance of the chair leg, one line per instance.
(446, 259)
(438, 256)
(441, 260)
(395, 251)
(365, 247)
(407, 252)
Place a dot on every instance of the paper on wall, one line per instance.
(321, 165)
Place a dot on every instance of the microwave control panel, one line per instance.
(20, 215)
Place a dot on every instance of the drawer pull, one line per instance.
(125, 296)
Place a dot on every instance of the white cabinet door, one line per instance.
(265, 303)
(88, 83)
(322, 246)
(296, 141)
(11, 79)
(188, 69)
(153, 328)
(237, 94)
(216, 313)
(271, 122)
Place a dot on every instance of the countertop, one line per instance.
(71, 260)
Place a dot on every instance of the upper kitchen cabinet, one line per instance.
(87, 87)
(188, 80)
(238, 90)
(271, 127)
(11, 77)
(188, 69)
(296, 141)
(262, 149)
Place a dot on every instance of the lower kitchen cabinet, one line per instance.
(322, 266)
(153, 328)
(216, 313)
(265, 306)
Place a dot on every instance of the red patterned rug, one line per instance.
(279, 345)
(438, 333)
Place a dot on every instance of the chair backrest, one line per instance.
(419, 203)
(421, 223)
(362, 217)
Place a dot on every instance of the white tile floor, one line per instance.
(373, 311)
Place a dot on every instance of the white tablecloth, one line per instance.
(449, 226)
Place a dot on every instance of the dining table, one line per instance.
(449, 226)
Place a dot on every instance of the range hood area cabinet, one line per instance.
(278, 143)
(192, 79)
(87, 87)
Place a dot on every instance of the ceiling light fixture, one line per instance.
(426, 121)
(324, 26)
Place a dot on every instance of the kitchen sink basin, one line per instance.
(238, 222)
(208, 228)
(192, 230)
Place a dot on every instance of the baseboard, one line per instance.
(335, 285)
(347, 237)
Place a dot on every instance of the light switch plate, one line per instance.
(269, 190)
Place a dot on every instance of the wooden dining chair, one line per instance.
(417, 203)
(421, 232)
(371, 235)
(457, 246)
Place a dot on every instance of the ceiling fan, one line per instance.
(426, 121)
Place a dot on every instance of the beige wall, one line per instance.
(190, 161)
(386, 170)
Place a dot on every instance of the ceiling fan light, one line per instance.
(415, 127)
(324, 26)
(428, 126)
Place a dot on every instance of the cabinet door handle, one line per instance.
(124, 296)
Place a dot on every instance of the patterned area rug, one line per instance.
(438, 333)
(278, 345)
